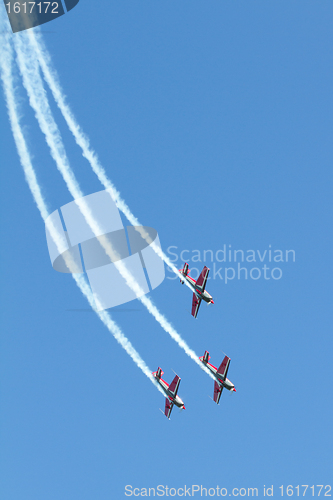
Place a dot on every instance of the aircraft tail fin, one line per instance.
(158, 374)
(205, 358)
(184, 271)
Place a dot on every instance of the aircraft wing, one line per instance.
(168, 407)
(223, 369)
(195, 305)
(173, 387)
(202, 280)
(217, 392)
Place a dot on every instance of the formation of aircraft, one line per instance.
(220, 374)
(171, 392)
(198, 286)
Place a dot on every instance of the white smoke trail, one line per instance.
(81, 139)
(38, 100)
(6, 58)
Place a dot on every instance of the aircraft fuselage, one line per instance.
(226, 383)
(201, 295)
(176, 400)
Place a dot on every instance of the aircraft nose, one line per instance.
(212, 301)
(234, 390)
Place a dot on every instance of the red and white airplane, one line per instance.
(199, 292)
(170, 391)
(220, 374)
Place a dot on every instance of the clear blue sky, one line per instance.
(214, 120)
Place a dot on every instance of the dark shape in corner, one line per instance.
(24, 15)
(70, 4)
